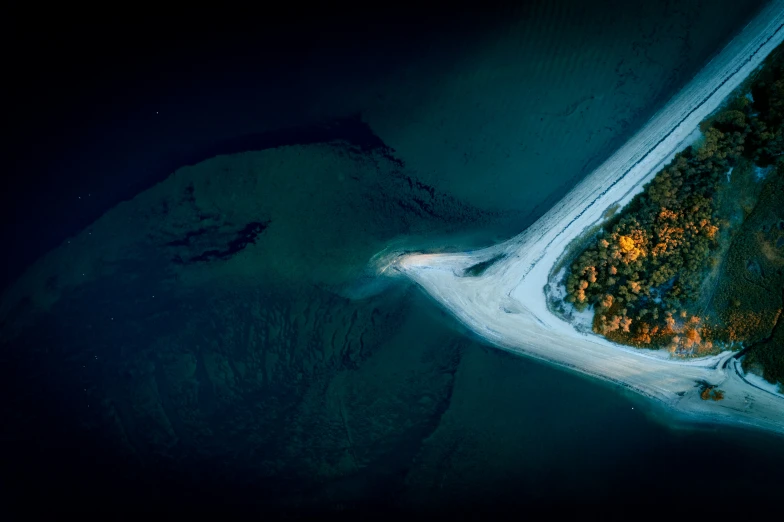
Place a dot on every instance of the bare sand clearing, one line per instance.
(507, 304)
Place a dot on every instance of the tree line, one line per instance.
(649, 261)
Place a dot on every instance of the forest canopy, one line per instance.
(645, 271)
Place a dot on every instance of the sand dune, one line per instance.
(507, 304)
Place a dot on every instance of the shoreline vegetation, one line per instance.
(695, 263)
(507, 300)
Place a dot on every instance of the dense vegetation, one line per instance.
(747, 297)
(767, 357)
(673, 268)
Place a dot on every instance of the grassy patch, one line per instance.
(769, 356)
(748, 297)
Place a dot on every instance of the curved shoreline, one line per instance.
(507, 306)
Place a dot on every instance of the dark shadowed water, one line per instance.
(215, 339)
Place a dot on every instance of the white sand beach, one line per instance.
(507, 304)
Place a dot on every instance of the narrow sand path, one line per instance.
(507, 304)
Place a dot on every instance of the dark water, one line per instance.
(217, 342)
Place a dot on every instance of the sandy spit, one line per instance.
(507, 305)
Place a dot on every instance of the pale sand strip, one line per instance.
(507, 305)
